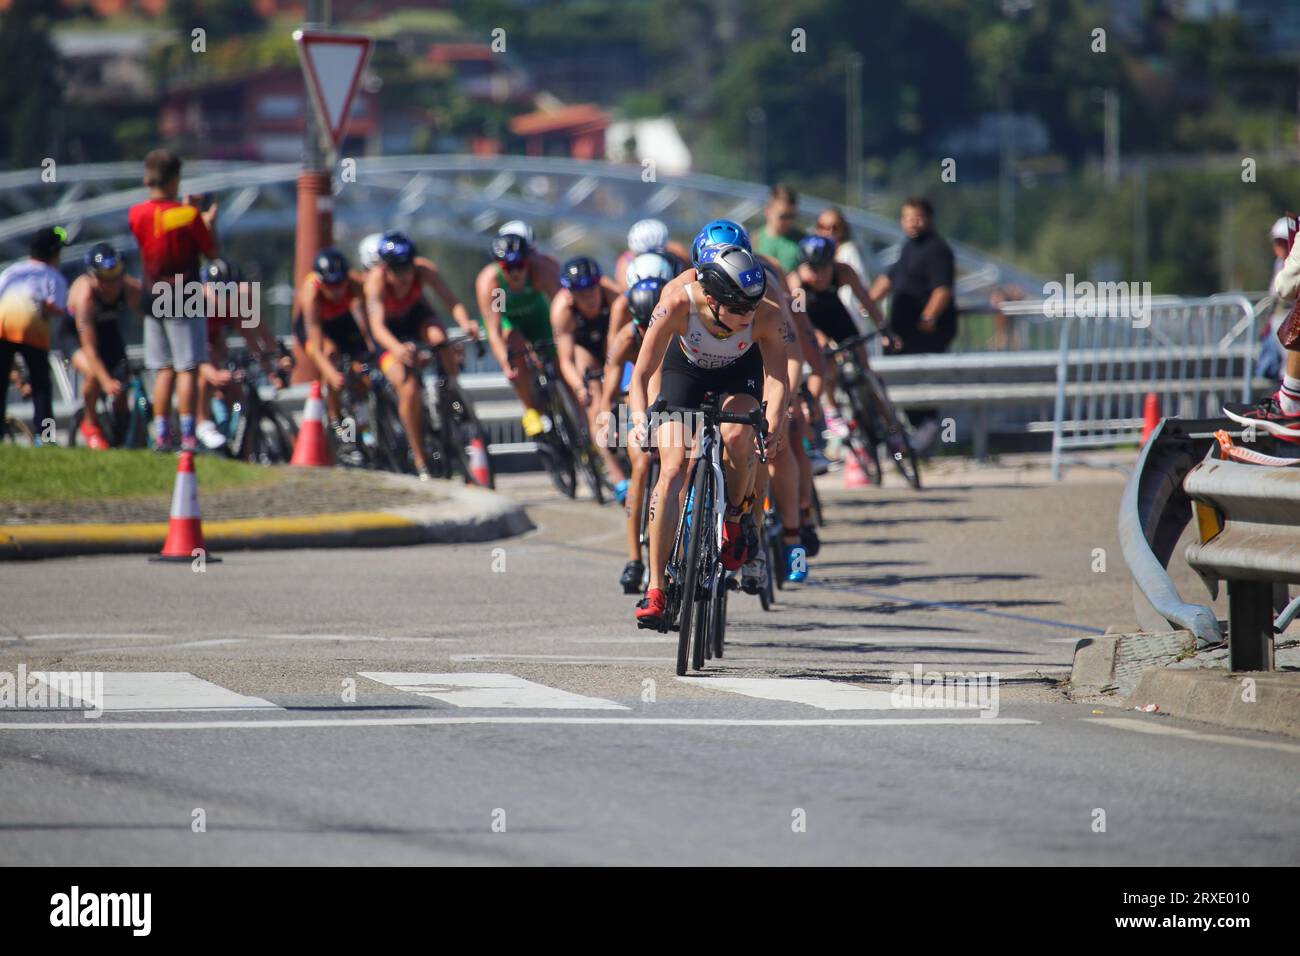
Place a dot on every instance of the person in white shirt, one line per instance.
(1279, 413)
(33, 294)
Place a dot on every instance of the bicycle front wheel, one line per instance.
(697, 548)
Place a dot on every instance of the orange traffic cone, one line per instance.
(854, 476)
(185, 531)
(311, 449)
(1150, 415)
(478, 463)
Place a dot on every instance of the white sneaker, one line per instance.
(924, 438)
(208, 433)
(836, 425)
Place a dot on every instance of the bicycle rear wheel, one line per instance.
(588, 459)
(895, 436)
(718, 613)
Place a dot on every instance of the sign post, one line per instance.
(332, 65)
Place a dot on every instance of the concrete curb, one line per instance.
(466, 515)
(1114, 663)
(1217, 697)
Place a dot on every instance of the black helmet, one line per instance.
(817, 251)
(643, 297)
(510, 249)
(396, 249)
(579, 273)
(732, 276)
(102, 259)
(221, 270)
(331, 265)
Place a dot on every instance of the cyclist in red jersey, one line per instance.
(399, 317)
(330, 323)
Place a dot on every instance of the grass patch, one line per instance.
(69, 474)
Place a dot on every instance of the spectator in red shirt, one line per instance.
(172, 235)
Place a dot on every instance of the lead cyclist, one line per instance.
(719, 334)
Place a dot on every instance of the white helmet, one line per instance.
(368, 250)
(648, 235)
(517, 227)
(650, 265)
(1281, 229)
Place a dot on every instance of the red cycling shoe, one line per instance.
(650, 610)
(735, 549)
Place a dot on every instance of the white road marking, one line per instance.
(129, 691)
(1148, 727)
(346, 722)
(489, 690)
(104, 636)
(556, 659)
(815, 692)
(151, 648)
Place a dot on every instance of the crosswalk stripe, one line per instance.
(489, 690)
(815, 692)
(133, 691)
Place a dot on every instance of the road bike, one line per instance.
(696, 584)
(128, 428)
(873, 420)
(458, 440)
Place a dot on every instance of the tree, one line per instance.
(30, 71)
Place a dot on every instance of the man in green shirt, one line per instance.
(779, 238)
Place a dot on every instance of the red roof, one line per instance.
(578, 118)
(459, 52)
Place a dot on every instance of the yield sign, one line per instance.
(332, 63)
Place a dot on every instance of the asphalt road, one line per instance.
(512, 714)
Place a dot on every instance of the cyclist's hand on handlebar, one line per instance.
(775, 437)
(408, 355)
(334, 378)
(583, 395)
(113, 387)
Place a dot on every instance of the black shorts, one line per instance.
(591, 337)
(407, 325)
(108, 343)
(342, 331)
(684, 385)
(834, 323)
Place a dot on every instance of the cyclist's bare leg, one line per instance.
(665, 497)
(784, 470)
(333, 400)
(448, 360)
(90, 388)
(409, 406)
(740, 458)
(636, 493)
(586, 362)
(523, 383)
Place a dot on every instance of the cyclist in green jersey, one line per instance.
(515, 314)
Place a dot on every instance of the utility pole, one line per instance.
(315, 199)
(853, 129)
(1110, 99)
(315, 227)
(1006, 175)
(757, 117)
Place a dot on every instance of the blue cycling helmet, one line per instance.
(396, 249)
(719, 232)
(643, 297)
(817, 251)
(580, 272)
(103, 260)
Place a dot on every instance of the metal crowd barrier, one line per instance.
(1194, 354)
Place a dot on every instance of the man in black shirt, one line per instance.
(923, 309)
